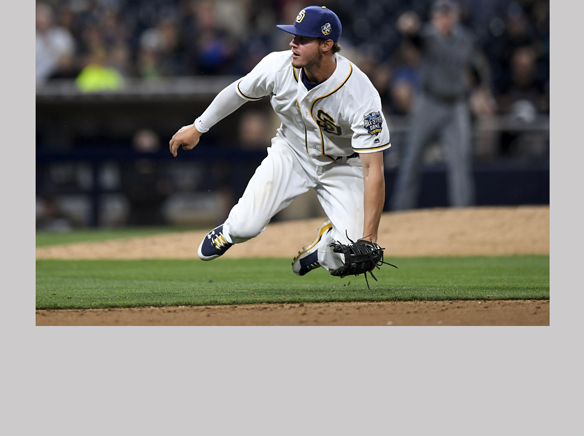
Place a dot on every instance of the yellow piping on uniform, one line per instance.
(323, 230)
(305, 139)
(370, 149)
(319, 98)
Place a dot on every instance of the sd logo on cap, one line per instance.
(315, 22)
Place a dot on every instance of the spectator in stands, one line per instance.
(522, 96)
(97, 75)
(524, 84)
(232, 17)
(539, 17)
(160, 50)
(404, 78)
(144, 182)
(119, 60)
(53, 44)
(203, 37)
(67, 68)
(148, 66)
(286, 12)
(381, 79)
(212, 52)
(518, 32)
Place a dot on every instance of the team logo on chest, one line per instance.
(327, 123)
(372, 122)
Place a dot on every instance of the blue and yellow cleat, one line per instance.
(307, 258)
(214, 244)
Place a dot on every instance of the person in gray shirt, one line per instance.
(441, 108)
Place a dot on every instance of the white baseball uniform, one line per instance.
(317, 146)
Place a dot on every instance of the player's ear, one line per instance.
(326, 45)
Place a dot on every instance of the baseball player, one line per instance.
(331, 139)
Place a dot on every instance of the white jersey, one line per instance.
(336, 118)
(331, 122)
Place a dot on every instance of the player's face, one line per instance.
(305, 52)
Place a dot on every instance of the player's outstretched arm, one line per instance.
(187, 137)
(374, 186)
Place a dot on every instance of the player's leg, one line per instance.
(456, 136)
(307, 258)
(340, 192)
(276, 182)
(423, 125)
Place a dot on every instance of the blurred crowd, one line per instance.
(101, 43)
(117, 39)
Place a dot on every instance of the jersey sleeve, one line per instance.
(370, 131)
(225, 103)
(259, 82)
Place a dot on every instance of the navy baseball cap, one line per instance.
(315, 22)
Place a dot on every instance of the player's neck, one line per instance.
(318, 73)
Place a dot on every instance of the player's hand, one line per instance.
(408, 23)
(187, 137)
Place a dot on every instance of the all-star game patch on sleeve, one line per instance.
(370, 132)
(373, 122)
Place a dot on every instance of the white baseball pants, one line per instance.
(285, 174)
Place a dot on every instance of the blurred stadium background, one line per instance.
(116, 78)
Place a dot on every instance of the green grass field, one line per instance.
(64, 284)
(44, 239)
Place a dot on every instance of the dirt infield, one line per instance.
(437, 232)
(396, 313)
